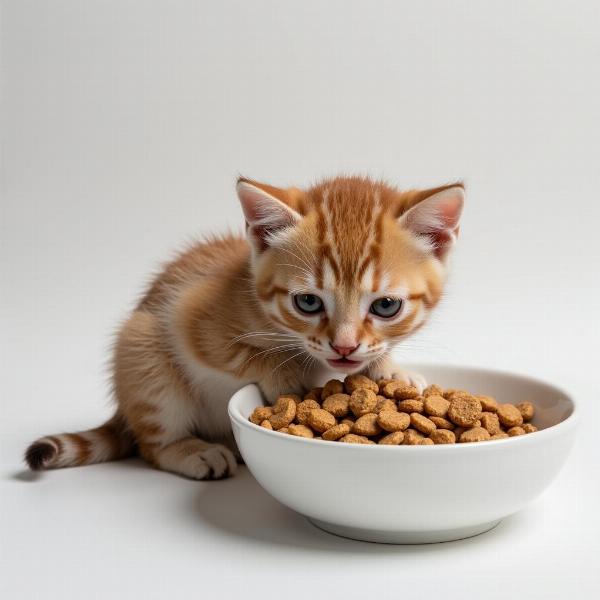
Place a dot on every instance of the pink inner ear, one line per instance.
(450, 212)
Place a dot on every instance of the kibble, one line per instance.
(435, 405)
(362, 401)
(336, 432)
(389, 412)
(366, 425)
(464, 410)
(356, 382)
(422, 423)
(333, 386)
(509, 415)
(526, 409)
(392, 420)
(337, 404)
(406, 392)
(442, 436)
(303, 410)
(392, 439)
(321, 420)
(411, 406)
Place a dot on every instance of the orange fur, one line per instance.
(222, 315)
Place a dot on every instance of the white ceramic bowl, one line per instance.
(413, 494)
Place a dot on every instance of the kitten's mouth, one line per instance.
(344, 363)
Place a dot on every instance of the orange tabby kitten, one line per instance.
(331, 277)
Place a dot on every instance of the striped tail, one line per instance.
(110, 441)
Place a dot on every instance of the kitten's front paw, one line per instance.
(393, 371)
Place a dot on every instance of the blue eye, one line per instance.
(386, 307)
(308, 303)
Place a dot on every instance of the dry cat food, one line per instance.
(362, 411)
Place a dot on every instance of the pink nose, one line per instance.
(344, 350)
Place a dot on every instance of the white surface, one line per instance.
(413, 494)
(124, 124)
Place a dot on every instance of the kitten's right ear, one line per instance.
(266, 215)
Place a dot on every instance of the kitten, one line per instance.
(329, 278)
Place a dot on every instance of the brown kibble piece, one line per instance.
(490, 421)
(384, 403)
(448, 393)
(284, 413)
(410, 406)
(442, 423)
(348, 421)
(362, 401)
(529, 428)
(488, 404)
(499, 436)
(514, 431)
(283, 399)
(366, 425)
(475, 434)
(526, 409)
(261, 413)
(337, 404)
(421, 423)
(381, 383)
(392, 439)
(301, 431)
(355, 382)
(464, 410)
(321, 420)
(426, 442)
(443, 436)
(433, 390)
(266, 424)
(336, 432)
(509, 415)
(458, 432)
(351, 438)
(392, 420)
(436, 406)
(314, 394)
(406, 392)
(333, 386)
(412, 437)
(303, 410)
(284, 430)
(389, 389)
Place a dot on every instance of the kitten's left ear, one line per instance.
(266, 210)
(437, 216)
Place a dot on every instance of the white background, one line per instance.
(124, 125)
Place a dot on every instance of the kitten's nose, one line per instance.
(344, 350)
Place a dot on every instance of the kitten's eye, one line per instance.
(386, 307)
(308, 303)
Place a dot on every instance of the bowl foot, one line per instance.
(404, 537)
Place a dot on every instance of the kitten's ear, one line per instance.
(436, 216)
(266, 210)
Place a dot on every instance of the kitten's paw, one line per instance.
(220, 460)
(212, 462)
(393, 371)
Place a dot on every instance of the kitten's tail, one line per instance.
(110, 441)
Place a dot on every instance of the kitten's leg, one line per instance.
(158, 407)
(388, 369)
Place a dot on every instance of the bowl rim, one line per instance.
(543, 434)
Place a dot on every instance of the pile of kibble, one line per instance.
(362, 411)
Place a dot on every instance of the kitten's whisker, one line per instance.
(287, 360)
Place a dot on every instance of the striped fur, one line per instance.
(222, 315)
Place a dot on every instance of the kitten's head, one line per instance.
(351, 266)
